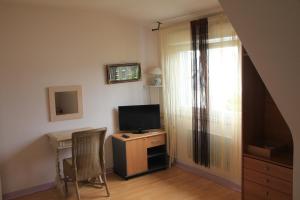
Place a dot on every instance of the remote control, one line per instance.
(125, 136)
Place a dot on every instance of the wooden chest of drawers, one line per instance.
(264, 180)
(253, 191)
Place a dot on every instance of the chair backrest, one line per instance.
(88, 153)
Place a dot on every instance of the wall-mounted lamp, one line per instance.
(157, 76)
(158, 26)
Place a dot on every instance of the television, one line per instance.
(139, 118)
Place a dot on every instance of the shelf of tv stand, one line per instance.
(157, 161)
(157, 167)
(156, 155)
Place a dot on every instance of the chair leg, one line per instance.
(77, 190)
(103, 177)
(100, 182)
(66, 186)
(100, 179)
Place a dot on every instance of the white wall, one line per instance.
(42, 47)
(270, 31)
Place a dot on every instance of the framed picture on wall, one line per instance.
(120, 73)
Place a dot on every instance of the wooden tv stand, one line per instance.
(140, 153)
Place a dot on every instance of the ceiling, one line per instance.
(141, 10)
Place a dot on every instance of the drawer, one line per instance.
(156, 141)
(268, 168)
(269, 181)
(253, 191)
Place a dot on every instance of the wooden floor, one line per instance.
(171, 184)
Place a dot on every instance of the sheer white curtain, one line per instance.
(224, 64)
(224, 93)
(177, 94)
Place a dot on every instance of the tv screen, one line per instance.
(139, 118)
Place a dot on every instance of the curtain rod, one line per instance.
(190, 17)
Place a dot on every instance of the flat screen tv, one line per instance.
(139, 118)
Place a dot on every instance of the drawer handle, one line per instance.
(267, 193)
(267, 180)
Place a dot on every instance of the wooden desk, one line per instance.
(140, 153)
(61, 140)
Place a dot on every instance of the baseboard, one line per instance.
(219, 180)
(27, 191)
(38, 188)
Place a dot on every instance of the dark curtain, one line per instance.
(200, 92)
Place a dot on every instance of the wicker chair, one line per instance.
(87, 160)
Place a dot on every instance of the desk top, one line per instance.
(133, 136)
(63, 139)
(66, 134)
